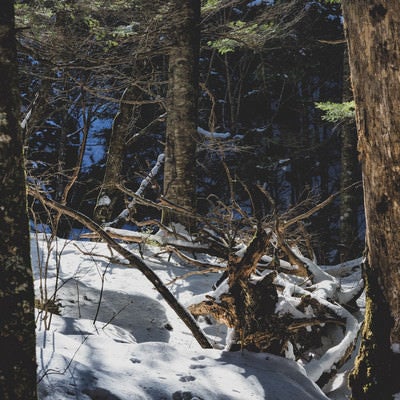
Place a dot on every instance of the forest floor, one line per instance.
(115, 338)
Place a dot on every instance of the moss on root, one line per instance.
(376, 368)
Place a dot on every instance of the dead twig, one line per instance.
(192, 273)
(193, 261)
(318, 207)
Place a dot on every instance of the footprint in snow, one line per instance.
(184, 396)
(198, 358)
(197, 366)
(100, 394)
(187, 378)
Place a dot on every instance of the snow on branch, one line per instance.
(139, 192)
(301, 312)
(213, 135)
(28, 114)
(154, 171)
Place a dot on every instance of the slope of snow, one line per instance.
(116, 339)
(111, 366)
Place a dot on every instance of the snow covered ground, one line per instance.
(117, 339)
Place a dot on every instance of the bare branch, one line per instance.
(134, 261)
(192, 261)
(318, 207)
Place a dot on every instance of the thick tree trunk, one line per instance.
(179, 170)
(373, 34)
(349, 199)
(17, 324)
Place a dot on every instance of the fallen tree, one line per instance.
(269, 295)
(286, 313)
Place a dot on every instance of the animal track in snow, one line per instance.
(187, 378)
(198, 358)
(197, 366)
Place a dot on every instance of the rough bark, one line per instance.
(17, 324)
(373, 34)
(349, 199)
(254, 304)
(179, 170)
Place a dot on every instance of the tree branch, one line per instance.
(134, 261)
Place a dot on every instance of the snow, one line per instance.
(104, 201)
(396, 348)
(154, 171)
(323, 289)
(317, 367)
(95, 150)
(260, 2)
(116, 338)
(213, 135)
(113, 368)
(139, 192)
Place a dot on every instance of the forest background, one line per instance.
(217, 116)
(263, 66)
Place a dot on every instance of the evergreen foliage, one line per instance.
(262, 67)
(231, 97)
(337, 112)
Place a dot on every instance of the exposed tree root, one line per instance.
(270, 296)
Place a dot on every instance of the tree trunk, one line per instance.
(254, 303)
(179, 170)
(67, 158)
(17, 324)
(350, 198)
(373, 34)
(123, 124)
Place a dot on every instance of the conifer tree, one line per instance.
(179, 170)
(17, 325)
(373, 32)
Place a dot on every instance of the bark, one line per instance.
(373, 34)
(123, 124)
(253, 304)
(66, 162)
(179, 170)
(62, 226)
(17, 324)
(248, 307)
(349, 199)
